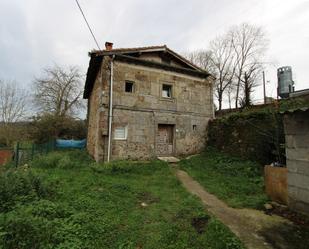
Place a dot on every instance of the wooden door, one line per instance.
(165, 140)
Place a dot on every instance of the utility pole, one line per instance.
(264, 87)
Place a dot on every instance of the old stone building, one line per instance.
(155, 102)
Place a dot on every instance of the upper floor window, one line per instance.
(129, 86)
(166, 91)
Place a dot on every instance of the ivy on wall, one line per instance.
(257, 136)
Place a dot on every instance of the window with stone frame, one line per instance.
(129, 86)
(166, 91)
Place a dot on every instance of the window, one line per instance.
(194, 127)
(166, 91)
(129, 87)
(120, 133)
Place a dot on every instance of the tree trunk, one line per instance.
(220, 101)
(229, 96)
(237, 93)
(247, 91)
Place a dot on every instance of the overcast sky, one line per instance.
(39, 33)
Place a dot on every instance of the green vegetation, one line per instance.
(255, 133)
(64, 200)
(256, 136)
(238, 182)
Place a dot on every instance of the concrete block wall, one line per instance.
(297, 152)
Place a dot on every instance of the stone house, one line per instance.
(145, 102)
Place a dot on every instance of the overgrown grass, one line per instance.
(238, 182)
(118, 205)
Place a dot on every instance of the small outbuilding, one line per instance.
(296, 126)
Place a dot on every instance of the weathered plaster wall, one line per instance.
(297, 152)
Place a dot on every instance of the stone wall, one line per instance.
(297, 152)
(142, 110)
(252, 135)
(189, 94)
(142, 127)
(97, 115)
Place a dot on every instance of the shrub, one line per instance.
(50, 160)
(67, 163)
(18, 187)
(63, 159)
(41, 224)
(47, 127)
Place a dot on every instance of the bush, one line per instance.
(41, 224)
(50, 160)
(19, 187)
(48, 127)
(64, 160)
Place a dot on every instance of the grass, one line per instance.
(64, 200)
(237, 182)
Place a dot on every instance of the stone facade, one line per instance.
(296, 126)
(141, 111)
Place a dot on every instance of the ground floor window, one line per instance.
(121, 133)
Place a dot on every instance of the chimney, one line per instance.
(108, 46)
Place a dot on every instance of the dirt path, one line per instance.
(254, 228)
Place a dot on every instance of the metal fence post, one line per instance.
(17, 154)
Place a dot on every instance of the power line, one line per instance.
(80, 8)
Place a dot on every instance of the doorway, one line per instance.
(165, 140)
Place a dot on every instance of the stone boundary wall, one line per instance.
(256, 136)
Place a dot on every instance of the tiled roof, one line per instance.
(125, 54)
(145, 49)
(124, 50)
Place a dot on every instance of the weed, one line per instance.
(19, 187)
(238, 182)
(65, 160)
(95, 206)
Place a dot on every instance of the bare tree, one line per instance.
(249, 81)
(223, 64)
(249, 43)
(13, 104)
(201, 58)
(59, 91)
(230, 90)
(218, 61)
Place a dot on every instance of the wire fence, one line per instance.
(25, 152)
